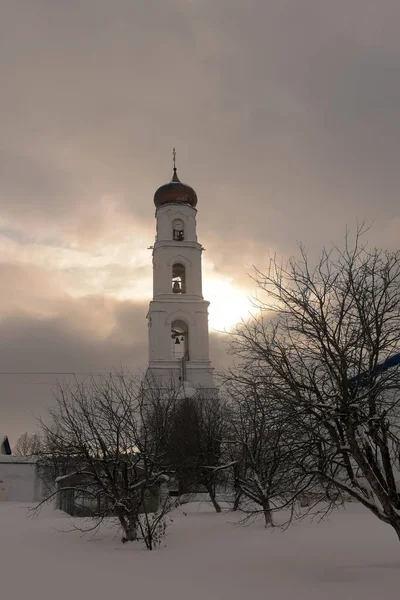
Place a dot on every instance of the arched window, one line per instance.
(178, 279)
(178, 230)
(180, 340)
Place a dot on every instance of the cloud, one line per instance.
(284, 115)
(87, 337)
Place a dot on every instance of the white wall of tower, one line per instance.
(167, 213)
(165, 255)
(168, 307)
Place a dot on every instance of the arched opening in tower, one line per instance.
(178, 230)
(178, 279)
(180, 340)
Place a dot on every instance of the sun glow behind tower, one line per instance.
(228, 304)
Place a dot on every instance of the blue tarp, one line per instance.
(392, 361)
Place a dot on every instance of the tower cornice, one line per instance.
(173, 244)
(180, 205)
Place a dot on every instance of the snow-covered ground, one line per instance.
(352, 556)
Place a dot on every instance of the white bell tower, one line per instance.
(178, 313)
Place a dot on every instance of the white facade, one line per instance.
(19, 480)
(178, 313)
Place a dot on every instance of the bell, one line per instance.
(176, 288)
(177, 340)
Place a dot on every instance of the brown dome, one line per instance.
(175, 192)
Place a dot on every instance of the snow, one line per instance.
(351, 556)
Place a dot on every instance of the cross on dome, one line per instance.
(175, 192)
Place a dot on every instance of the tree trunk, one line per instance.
(236, 503)
(395, 523)
(268, 514)
(130, 534)
(211, 492)
(129, 526)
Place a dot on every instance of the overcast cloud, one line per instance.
(285, 115)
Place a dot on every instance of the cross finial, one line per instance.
(174, 158)
(175, 175)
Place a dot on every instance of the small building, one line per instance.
(20, 479)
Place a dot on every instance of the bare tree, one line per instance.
(264, 448)
(195, 444)
(325, 338)
(105, 428)
(28, 444)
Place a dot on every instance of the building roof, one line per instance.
(175, 192)
(6, 458)
(363, 378)
(5, 448)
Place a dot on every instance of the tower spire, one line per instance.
(175, 175)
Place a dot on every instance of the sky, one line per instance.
(285, 117)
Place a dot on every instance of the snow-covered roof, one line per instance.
(68, 476)
(7, 458)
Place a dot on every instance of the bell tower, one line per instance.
(178, 313)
